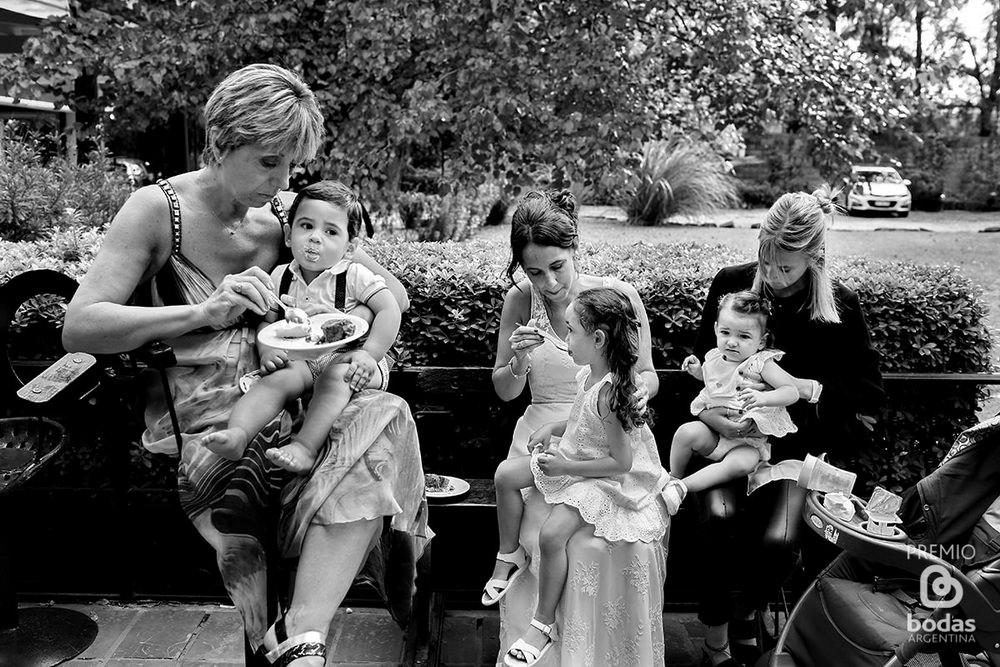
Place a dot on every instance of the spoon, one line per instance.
(292, 314)
(559, 343)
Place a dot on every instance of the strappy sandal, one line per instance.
(497, 588)
(283, 650)
(673, 495)
(745, 636)
(527, 655)
(708, 651)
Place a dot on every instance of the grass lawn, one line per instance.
(976, 254)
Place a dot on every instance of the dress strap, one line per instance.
(279, 209)
(175, 214)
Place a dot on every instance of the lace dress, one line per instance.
(622, 507)
(721, 380)
(611, 609)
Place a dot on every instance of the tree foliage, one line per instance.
(478, 89)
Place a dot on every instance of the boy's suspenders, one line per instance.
(340, 288)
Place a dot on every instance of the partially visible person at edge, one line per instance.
(819, 324)
(531, 351)
(186, 261)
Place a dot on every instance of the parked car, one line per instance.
(872, 188)
(135, 169)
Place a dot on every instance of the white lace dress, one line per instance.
(722, 380)
(611, 611)
(622, 507)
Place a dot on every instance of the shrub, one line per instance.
(677, 177)
(39, 195)
(926, 188)
(922, 319)
(454, 216)
(756, 194)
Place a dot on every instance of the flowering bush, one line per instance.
(39, 195)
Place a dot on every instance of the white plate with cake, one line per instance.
(441, 487)
(321, 334)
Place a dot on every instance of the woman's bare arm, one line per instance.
(515, 312)
(97, 319)
(137, 244)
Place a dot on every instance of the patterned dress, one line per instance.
(611, 611)
(370, 467)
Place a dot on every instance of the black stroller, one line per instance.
(931, 588)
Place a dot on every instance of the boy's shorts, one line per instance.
(317, 366)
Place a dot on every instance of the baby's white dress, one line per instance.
(722, 378)
(623, 507)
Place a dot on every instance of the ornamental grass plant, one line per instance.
(678, 177)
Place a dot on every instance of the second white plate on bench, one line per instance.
(456, 487)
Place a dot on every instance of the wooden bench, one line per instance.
(465, 431)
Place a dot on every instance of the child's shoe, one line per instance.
(673, 495)
(497, 588)
(523, 654)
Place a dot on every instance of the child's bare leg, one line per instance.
(331, 394)
(563, 521)
(511, 476)
(265, 399)
(738, 462)
(691, 438)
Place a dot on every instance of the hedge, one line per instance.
(922, 318)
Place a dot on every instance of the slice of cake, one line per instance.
(336, 330)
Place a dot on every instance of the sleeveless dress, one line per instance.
(370, 467)
(721, 380)
(611, 609)
(620, 508)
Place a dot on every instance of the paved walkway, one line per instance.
(944, 221)
(196, 635)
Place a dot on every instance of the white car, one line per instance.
(878, 189)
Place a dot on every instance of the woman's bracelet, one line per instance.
(510, 367)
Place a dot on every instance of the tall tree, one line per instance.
(479, 88)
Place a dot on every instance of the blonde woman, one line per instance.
(187, 261)
(819, 324)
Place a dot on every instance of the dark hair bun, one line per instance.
(564, 200)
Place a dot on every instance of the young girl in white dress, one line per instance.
(740, 357)
(605, 471)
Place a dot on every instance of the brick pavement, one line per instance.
(196, 635)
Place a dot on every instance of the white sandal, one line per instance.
(497, 588)
(528, 654)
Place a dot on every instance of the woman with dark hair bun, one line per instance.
(610, 611)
